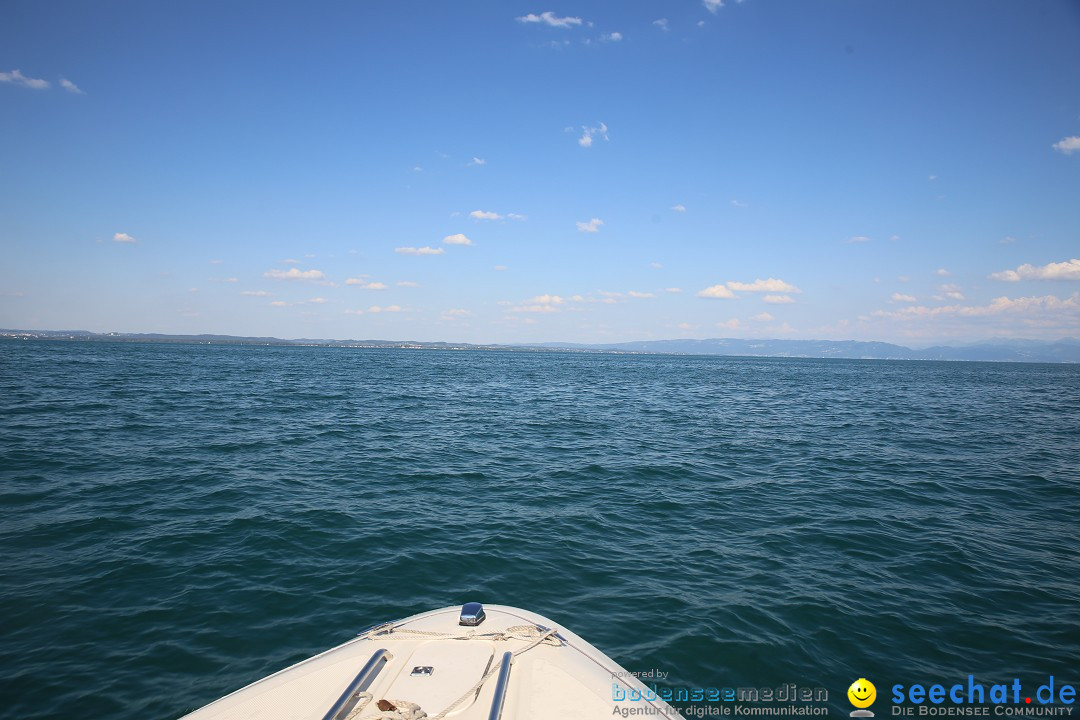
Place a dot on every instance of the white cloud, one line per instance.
(1007, 240)
(716, 291)
(732, 324)
(279, 303)
(534, 309)
(1068, 145)
(500, 268)
(685, 326)
(662, 23)
(216, 262)
(317, 300)
(458, 312)
(419, 251)
(294, 274)
(612, 37)
(255, 293)
(673, 290)
(932, 178)
(385, 308)
(591, 226)
(942, 272)
(1048, 304)
(548, 300)
(123, 238)
(900, 297)
(763, 317)
(636, 294)
(457, 239)
(231, 279)
(1068, 270)
(515, 216)
(713, 5)
(17, 78)
(478, 161)
(407, 283)
(365, 285)
(70, 86)
(894, 238)
(738, 203)
(771, 285)
(354, 312)
(778, 299)
(588, 133)
(679, 208)
(550, 19)
(485, 215)
(857, 240)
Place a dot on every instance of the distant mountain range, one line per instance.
(1066, 350)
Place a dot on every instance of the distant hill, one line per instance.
(1012, 350)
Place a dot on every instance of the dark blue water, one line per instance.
(179, 520)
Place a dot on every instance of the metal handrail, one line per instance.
(359, 684)
(500, 687)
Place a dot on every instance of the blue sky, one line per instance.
(557, 171)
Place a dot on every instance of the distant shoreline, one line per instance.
(1066, 351)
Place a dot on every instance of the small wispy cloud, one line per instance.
(500, 268)
(611, 37)
(385, 308)
(716, 291)
(317, 300)
(365, 285)
(590, 226)
(15, 77)
(778, 299)
(902, 298)
(216, 262)
(640, 295)
(485, 215)
(662, 23)
(123, 238)
(1068, 145)
(950, 291)
(588, 133)
(1007, 240)
(673, 290)
(294, 274)
(1068, 270)
(857, 240)
(713, 5)
(732, 324)
(656, 265)
(70, 86)
(535, 308)
(771, 285)
(737, 203)
(455, 313)
(550, 19)
(942, 272)
(515, 216)
(407, 283)
(477, 161)
(457, 239)
(548, 300)
(679, 208)
(279, 303)
(419, 250)
(354, 312)
(763, 317)
(255, 293)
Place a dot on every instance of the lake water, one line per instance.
(180, 520)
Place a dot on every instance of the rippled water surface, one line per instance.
(180, 520)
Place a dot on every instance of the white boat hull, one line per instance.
(432, 666)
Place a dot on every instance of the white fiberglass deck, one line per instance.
(432, 665)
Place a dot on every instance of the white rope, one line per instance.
(405, 710)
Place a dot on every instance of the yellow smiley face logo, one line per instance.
(862, 693)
